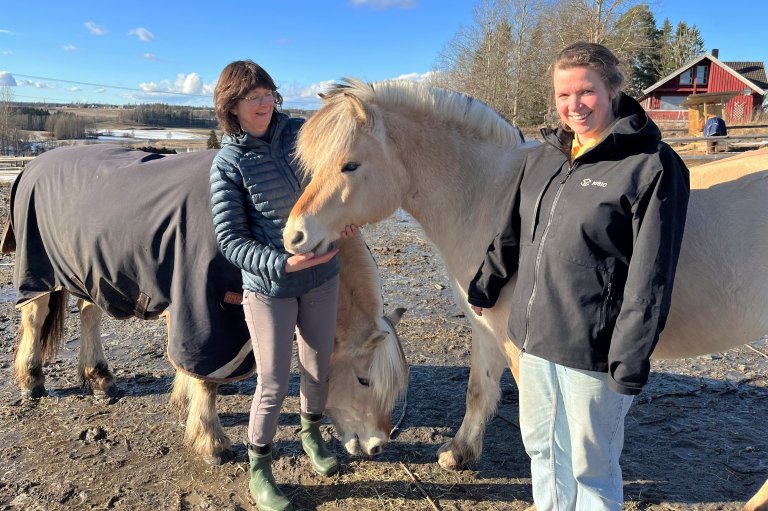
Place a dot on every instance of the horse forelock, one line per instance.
(389, 371)
(329, 134)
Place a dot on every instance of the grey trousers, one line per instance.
(272, 323)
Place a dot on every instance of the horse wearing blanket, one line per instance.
(130, 234)
(450, 162)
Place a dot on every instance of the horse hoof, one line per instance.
(108, 396)
(449, 461)
(219, 458)
(34, 393)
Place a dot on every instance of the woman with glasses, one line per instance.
(254, 184)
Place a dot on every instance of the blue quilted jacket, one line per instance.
(254, 185)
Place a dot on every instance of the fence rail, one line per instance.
(14, 161)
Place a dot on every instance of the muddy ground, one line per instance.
(697, 437)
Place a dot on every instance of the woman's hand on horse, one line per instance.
(477, 310)
(298, 262)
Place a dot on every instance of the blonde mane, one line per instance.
(331, 131)
(361, 303)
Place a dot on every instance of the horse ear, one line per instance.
(395, 315)
(357, 107)
(375, 338)
(322, 96)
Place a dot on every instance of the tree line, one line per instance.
(18, 121)
(170, 116)
(504, 57)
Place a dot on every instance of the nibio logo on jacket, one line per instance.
(588, 182)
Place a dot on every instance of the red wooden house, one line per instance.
(742, 85)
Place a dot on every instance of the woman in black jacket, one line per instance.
(254, 184)
(594, 237)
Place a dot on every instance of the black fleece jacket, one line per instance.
(595, 244)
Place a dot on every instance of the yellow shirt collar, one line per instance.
(577, 148)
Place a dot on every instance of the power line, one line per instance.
(132, 89)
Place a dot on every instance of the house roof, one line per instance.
(754, 70)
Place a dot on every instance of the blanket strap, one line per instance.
(142, 304)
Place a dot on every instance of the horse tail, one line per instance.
(8, 242)
(53, 326)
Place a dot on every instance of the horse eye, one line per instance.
(364, 382)
(350, 166)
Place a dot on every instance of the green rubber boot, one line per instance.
(323, 462)
(262, 484)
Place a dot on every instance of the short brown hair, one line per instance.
(236, 80)
(597, 57)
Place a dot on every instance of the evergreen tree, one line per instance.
(213, 141)
(678, 47)
(643, 57)
(666, 63)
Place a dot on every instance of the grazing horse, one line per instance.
(130, 234)
(450, 162)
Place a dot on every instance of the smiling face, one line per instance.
(254, 111)
(583, 101)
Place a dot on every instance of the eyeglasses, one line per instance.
(260, 100)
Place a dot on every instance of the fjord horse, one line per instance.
(130, 235)
(450, 162)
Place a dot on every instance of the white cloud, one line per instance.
(142, 33)
(306, 97)
(151, 56)
(415, 77)
(74, 89)
(7, 79)
(186, 89)
(6, 52)
(4, 31)
(283, 41)
(385, 4)
(34, 84)
(95, 29)
(101, 90)
(69, 47)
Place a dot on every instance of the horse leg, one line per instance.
(28, 358)
(760, 501)
(204, 434)
(483, 394)
(93, 367)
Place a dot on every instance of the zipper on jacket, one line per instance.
(539, 253)
(606, 301)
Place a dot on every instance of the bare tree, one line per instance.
(7, 97)
(497, 59)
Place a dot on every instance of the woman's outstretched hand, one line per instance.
(477, 310)
(298, 262)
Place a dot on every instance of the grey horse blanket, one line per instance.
(131, 232)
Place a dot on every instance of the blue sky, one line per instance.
(172, 52)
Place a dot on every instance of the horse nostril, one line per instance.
(375, 451)
(297, 239)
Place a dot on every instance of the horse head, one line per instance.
(355, 179)
(369, 375)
